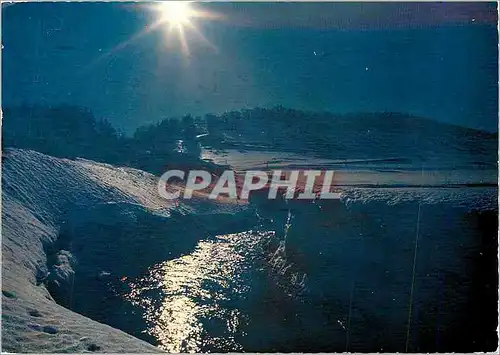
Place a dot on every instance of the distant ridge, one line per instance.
(71, 131)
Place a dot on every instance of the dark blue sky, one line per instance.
(434, 60)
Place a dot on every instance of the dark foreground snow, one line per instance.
(63, 218)
(39, 193)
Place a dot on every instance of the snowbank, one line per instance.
(39, 194)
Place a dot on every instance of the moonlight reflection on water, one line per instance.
(184, 297)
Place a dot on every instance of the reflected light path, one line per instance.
(191, 303)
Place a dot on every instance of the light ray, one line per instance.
(148, 29)
(182, 39)
(170, 15)
(200, 35)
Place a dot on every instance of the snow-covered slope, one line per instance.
(117, 223)
(387, 139)
(41, 194)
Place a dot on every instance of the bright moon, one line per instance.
(179, 19)
(175, 13)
